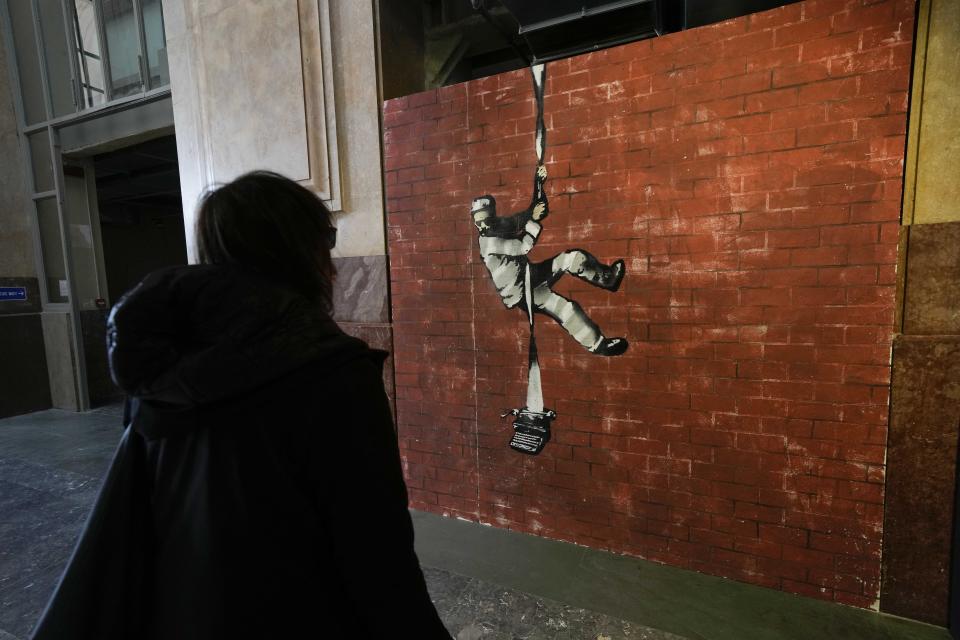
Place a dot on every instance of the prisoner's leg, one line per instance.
(576, 322)
(583, 265)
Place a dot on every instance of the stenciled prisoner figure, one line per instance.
(504, 244)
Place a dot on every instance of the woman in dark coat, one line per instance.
(257, 491)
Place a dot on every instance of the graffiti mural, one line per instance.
(505, 242)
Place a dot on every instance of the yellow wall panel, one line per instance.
(932, 191)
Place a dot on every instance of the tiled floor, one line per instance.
(486, 582)
(687, 604)
(473, 608)
(51, 464)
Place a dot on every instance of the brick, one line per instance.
(830, 46)
(875, 212)
(800, 74)
(857, 108)
(747, 43)
(783, 535)
(848, 275)
(772, 100)
(744, 432)
(774, 58)
(763, 297)
(819, 256)
(817, 296)
(822, 134)
(861, 17)
(881, 126)
(851, 234)
(803, 31)
(775, 17)
(798, 116)
(749, 83)
(652, 101)
(793, 238)
(759, 142)
(829, 90)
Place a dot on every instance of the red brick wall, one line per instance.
(750, 174)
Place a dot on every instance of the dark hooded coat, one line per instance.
(257, 492)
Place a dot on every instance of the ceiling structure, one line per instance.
(140, 180)
(450, 41)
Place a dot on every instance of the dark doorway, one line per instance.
(141, 215)
(137, 209)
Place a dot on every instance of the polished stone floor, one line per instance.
(486, 582)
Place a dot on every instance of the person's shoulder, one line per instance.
(341, 399)
(319, 393)
(359, 371)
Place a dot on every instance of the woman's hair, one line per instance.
(274, 226)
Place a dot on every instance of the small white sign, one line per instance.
(64, 289)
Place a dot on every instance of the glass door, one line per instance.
(67, 57)
(89, 276)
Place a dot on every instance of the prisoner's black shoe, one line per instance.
(617, 271)
(611, 347)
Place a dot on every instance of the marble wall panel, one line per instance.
(253, 95)
(932, 286)
(921, 463)
(60, 359)
(237, 80)
(931, 190)
(16, 236)
(362, 226)
(360, 290)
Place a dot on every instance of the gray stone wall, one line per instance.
(16, 239)
(924, 416)
(309, 108)
(23, 367)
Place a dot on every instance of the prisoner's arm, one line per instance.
(493, 245)
(531, 231)
(528, 229)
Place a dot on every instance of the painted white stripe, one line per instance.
(553, 304)
(534, 388)
(567, 313)
(528, 295)
(585, 336)
(501, 246)
(538, 73)
(568, 260)
(575, 325)
(500, 270)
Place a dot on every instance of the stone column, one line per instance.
(290, 86)
(918, 532)
(23, 367)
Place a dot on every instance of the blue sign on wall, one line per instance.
(13, 293)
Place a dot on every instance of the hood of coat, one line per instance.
(190, 336)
